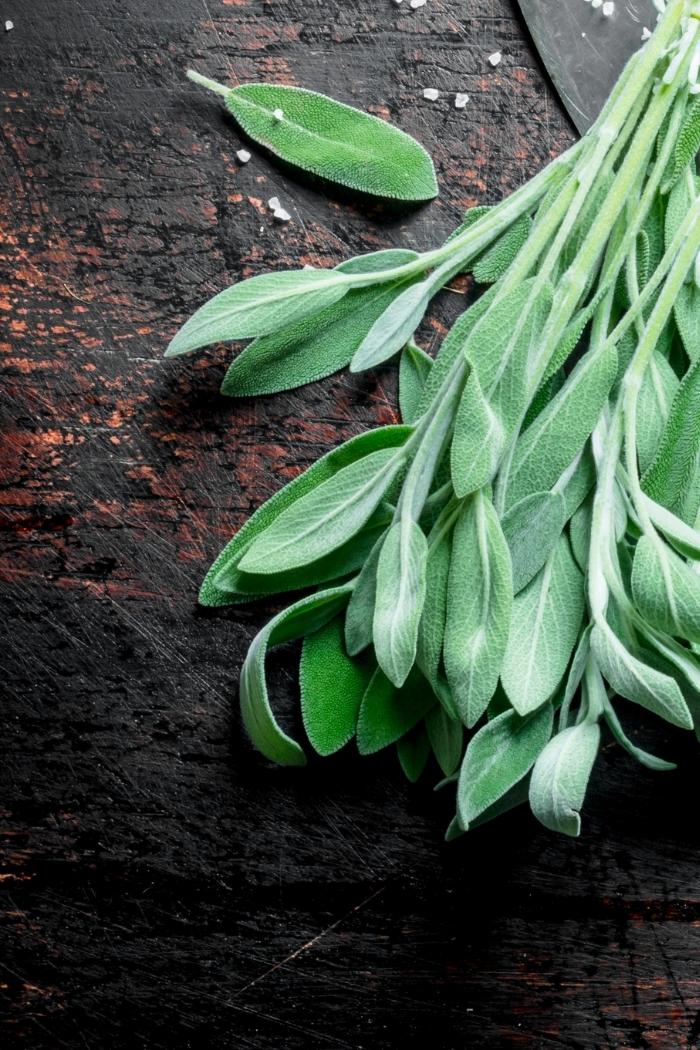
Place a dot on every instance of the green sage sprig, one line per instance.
(523, 550)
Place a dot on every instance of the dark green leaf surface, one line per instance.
(387, 712)
(332, 686)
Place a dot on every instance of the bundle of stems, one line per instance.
(523, 550)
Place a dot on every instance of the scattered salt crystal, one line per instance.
(461, 100)
(9, 26)
(281, 215)
(398, 2)
(415, 4)
(646, 34)
(278, 114)
(596, 3)
(495, 58)
(308, 266)
(608, 8)
(431, 94)
(274, 203)
(243, 156)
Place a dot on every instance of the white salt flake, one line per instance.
(461, 99)
(495, 58)
(278, 114)
(308, 266)
(608, 9)
(596, 3)
(243, 156)
(398, 2)
(646, 34)
(281, 215)
(415, 4)
(431, 94)
(9, 26)
(274, 203)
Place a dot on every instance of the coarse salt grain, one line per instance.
(278, 114)
(596, 3)
(431, 94)
(9, 25)
(461, 100)
(281, 215)
(274, 203)
(243, 156)
(415, 4)
(495, 58)
(608, 8)
(646, 34)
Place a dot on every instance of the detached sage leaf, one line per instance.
(326, 517)
(259, 306)
(332, 686)
(302, 618)
(497, 758)
(387, 712)
(544, 628)
(334, 141)
(401, 583)
(531, 528)
(479, 601)
(636, 681)
(665, 589)
(560, 778)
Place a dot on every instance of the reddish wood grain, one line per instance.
(162, 886)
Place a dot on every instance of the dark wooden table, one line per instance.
(163, 886)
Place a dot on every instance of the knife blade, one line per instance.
(583, 50)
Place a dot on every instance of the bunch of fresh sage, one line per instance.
(523, 549)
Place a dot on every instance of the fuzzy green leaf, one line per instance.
(259, 306)
(544, 628)
(414, 370)
(477, 442)
(401, 583)
(687, 144)
(387, 712)
(413, 750)
(446, 737)
(479, 601)
(394, 327)
(671, 479)
(658, 389)
(636, 681)
(666, 590)
(643, 757)
(497, 758)
(302, 618)
(332, 687)
(225, 583)
(334, 141)
(325, 518)
(560, 777)
(431, 632)
(531, 528)
(494, 262)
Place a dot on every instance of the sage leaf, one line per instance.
(574, 678)
(401, 583)
(636, 681)
(580, 533)
(544, 628)
(531, 528)
(446, 738)
(477, 442)
(561, 430)
(431, 632)
(658, 389)
(687, 145)
(317, 346)
(479, 601)
(325, 518)
(359, 616)
(334, 141)
(643, 757)
(332, 687)
(671, 479)
(414, 370)
(414, 751)
(259, 306)
(224, 577)
(497, 758)
(560, 778)
(514, 797)
(665, 589)
(387, 713)
(496, 260)
(393, 328)
(684, 538)
(303, 617)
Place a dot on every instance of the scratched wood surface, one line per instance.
(164, 887)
